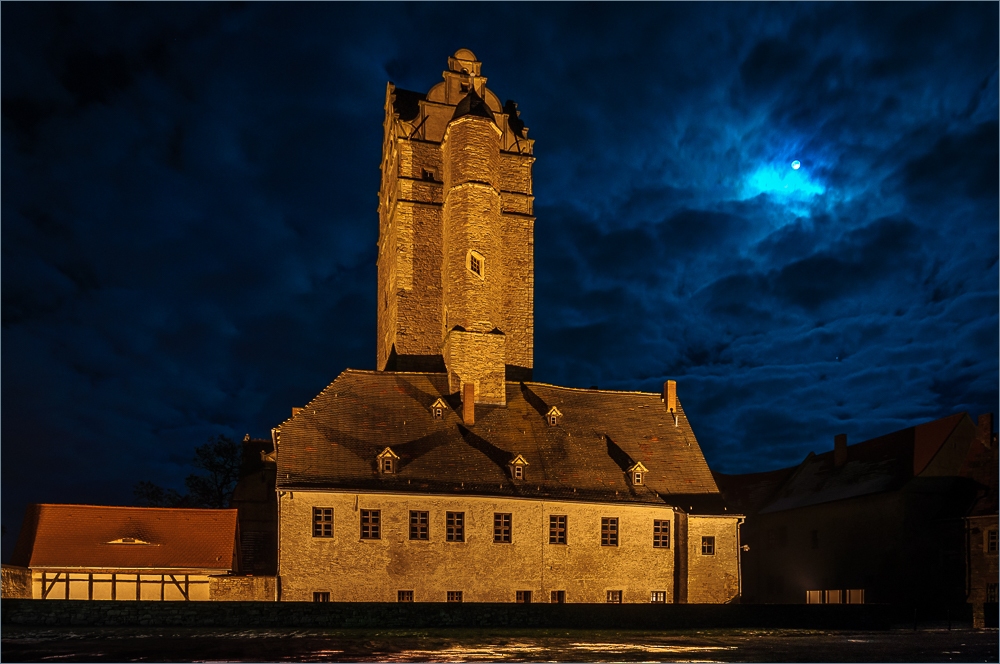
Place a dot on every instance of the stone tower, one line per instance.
(456, 229)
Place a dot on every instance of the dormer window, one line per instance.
(553, 416)
(517, 465)
(636, 473)
(437, 409)
(387, 462)
(476, 264)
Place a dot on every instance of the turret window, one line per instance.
(477, 264)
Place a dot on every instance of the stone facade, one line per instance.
(352, 569)
(242, 588)
(16, 582)
(456, 187)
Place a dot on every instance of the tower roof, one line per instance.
(475, 105)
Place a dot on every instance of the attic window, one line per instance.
(636, 472)
(387, 461)
(437, 409)
(517, 465)
(553, 416)
(128, 540)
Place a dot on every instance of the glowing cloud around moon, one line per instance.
(796, 164)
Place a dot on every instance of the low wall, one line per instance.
(242, 589)
(16, 582)
(335, 615)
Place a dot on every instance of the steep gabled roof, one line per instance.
(80, 536)
(880, 464)
(333, 442)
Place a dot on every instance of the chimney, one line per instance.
(469, 403)
(984, 432)
(840, 449)
(670, 395)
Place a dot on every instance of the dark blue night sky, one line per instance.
(189, 217)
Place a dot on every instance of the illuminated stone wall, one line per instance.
(450, 186)
(356, 570)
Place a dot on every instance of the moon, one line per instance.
(796, 164)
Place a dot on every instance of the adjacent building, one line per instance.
(906, 518)
(121, 553)
(448, 474)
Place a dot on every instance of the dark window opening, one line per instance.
(322, 522)
(455, 526)
(991, 541)
(523, 597)
(614, 597)
(609, 531)
(370, 524)
(661, 533)
(558, 597)
(501, 528)
(557, 529)
(454, 595)
(404, 596)
(418, 525)
(321, 597)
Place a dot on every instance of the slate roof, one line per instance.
(78, 536)
(880, 464)
(407, 103)
(473, 104)
(334, 440)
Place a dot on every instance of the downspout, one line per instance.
(739, 560)
(277, 571)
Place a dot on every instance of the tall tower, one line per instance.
(456, 234)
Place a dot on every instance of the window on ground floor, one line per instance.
(454, 595)
(523, 597)
(404, 596)
(321, 597)
(658, 597)
(614, 597)
(558, 597)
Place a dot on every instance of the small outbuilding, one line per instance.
(123, 553)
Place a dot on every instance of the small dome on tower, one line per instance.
(464, 61)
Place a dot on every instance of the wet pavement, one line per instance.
(131, 644)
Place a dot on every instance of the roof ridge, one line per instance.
(138, 507)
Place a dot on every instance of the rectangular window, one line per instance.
(557, 529)
(661, 533)
(991, 541)
(322, 522)
(370, 524)
(609, 531)
(418, 525)
(518, 472)
(814, 597)
(501, 528)
(454, 595)
(321, 597)
(404, 596)
(523, 597)
(856, 596)
(455, 527)
(475, 265)
(558, 597)
(614, 597)
(991, 592)
(658, 597)
(708, 545)
(834, 597)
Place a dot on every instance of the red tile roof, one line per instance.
(334, 440)
(80, 536)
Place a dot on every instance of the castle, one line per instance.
(447, 474)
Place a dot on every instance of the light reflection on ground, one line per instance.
(495, 645)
